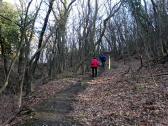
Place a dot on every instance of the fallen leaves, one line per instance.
(118, 99)
(45, 92)
(49, 90)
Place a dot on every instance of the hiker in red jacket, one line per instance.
(94, 65)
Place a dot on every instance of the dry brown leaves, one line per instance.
(117, 99)
(8, 107)
(48, 90)
(45, 92)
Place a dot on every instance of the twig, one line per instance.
(12, 118)
(19, 112)
(154, 75)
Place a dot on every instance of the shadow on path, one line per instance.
(53, 111)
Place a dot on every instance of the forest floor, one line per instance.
(122, 96)
(125, 96)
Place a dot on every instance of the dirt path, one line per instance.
(54, 111)
(117, 97)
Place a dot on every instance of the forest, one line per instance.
(46, 47)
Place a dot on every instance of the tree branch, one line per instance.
(8, 19)
(106, 20)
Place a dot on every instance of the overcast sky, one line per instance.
(15, 1)
(10, 1)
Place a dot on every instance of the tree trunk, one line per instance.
(41, 36)
(3, 54)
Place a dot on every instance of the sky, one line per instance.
(10, 1)
(15, 1)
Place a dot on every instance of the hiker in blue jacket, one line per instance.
(103, 59)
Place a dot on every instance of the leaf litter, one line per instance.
(120, 98)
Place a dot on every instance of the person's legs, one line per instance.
(92, 72)
(96, 72)
(103, 65)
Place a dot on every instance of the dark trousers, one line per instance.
(94, 71)
(103, 65)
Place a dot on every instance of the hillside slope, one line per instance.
(125, 96)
